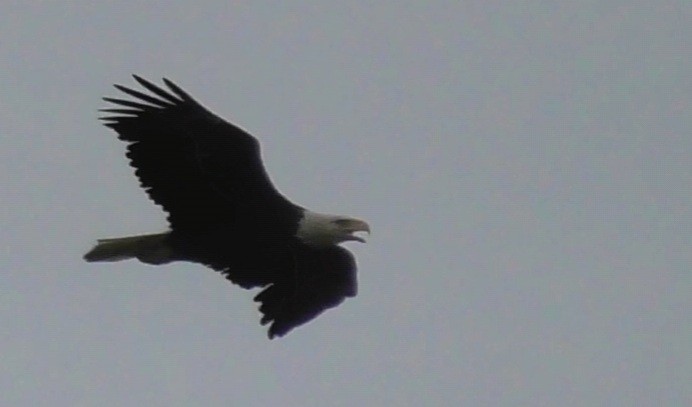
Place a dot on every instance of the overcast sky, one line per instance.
(525, 166)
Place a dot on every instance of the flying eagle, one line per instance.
(223, 210)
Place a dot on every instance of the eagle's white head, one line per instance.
(319, 229)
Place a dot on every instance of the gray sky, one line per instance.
(525, 166)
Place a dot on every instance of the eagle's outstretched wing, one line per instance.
(321, 279)
(205, 172)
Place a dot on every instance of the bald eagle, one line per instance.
(224, 212)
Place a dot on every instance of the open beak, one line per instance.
(359, 226)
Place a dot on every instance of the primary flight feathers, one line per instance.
(223, 210)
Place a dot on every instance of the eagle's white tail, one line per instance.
(150, 249)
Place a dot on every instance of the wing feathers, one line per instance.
(181, 93)
(158, 91)
(204, 171)
(139, 95)
(120, 111)
(320, 279)
(129, 103)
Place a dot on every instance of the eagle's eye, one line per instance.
(343, 222)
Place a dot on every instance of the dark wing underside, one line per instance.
(205, 172)
(321, 279)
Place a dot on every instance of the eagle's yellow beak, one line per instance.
(357, 225)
